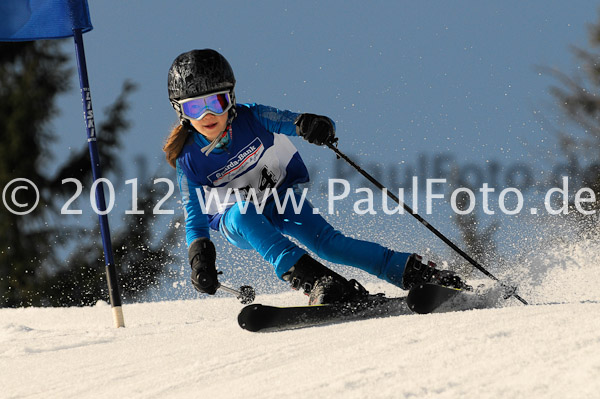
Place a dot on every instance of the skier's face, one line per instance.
(211, 125)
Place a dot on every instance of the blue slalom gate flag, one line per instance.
(29, 20)
(23, 20)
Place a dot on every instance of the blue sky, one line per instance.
(399, 78)
(404, 81)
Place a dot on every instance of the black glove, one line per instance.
(202, 256)
(316, 129)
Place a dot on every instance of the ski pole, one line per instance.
(435, 231)
(246, 293)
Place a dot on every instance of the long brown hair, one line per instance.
(175, 143)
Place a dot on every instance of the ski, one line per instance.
(425, 298)
(432, 298)
(265, 318)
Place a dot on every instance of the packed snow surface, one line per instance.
(195, 349)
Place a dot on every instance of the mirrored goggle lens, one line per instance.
(216, 104)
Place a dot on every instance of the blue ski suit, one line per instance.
(232, 190)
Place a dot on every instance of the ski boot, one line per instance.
(416, 272)
(321, 284)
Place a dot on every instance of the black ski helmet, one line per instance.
(199, 72)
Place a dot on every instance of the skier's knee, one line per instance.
(240, 214)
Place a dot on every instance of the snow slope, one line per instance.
(194, 349)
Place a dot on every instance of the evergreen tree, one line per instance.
(33, 267)
(579, 98)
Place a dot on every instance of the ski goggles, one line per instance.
(196, 108)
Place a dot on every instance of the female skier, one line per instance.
(230, 157)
